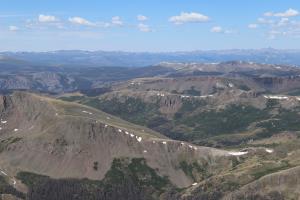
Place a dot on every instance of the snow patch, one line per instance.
(15, 130)
(276, 97)
(4, 173)
(238, 153)
(269, 150)
(3, 122)
(87, 112)
(160, 94)
(185, 96)
(139, 139)
(194, 184)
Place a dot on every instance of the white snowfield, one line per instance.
(15, 130)
(3, 122)
(194, 184)
(4, 173)
(269, 150)
(203, 96)
(160, 94)
(87, 112)
(238, 153)
(276, 97)
(206, 96)
(185, 96)
(139, 139)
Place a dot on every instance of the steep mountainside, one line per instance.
(48, 144)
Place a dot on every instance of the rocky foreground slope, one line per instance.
(67, 140)
(52, 149)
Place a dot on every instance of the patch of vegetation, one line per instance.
(138, 171)
(5, 188)
(72, 98)
(270, 168)
(127, 179)
(131, 109)
(95, 92)
(194, 170)
(271, 103)
(232, 119)
(95, 166)
(189, 105)
(244, 87)
(294, 93)
(192, 91)
(6, 142)
(286, 120)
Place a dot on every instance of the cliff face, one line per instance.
(279, 84)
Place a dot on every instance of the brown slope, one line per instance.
(60, 139)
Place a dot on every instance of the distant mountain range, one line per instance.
(135, 59)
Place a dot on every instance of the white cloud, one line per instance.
(13, 28)
(268, 14)
(144, 28)
(189, 17)
(264, 21)
(253, 26)
(219, 29)
(216, 29)
(47, 18)
(283, 22)
(288, 13)
(116, 20)
(80, 21)
(141, 18)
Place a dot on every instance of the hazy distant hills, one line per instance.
(127, 59)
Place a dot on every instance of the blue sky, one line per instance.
(148, 25)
